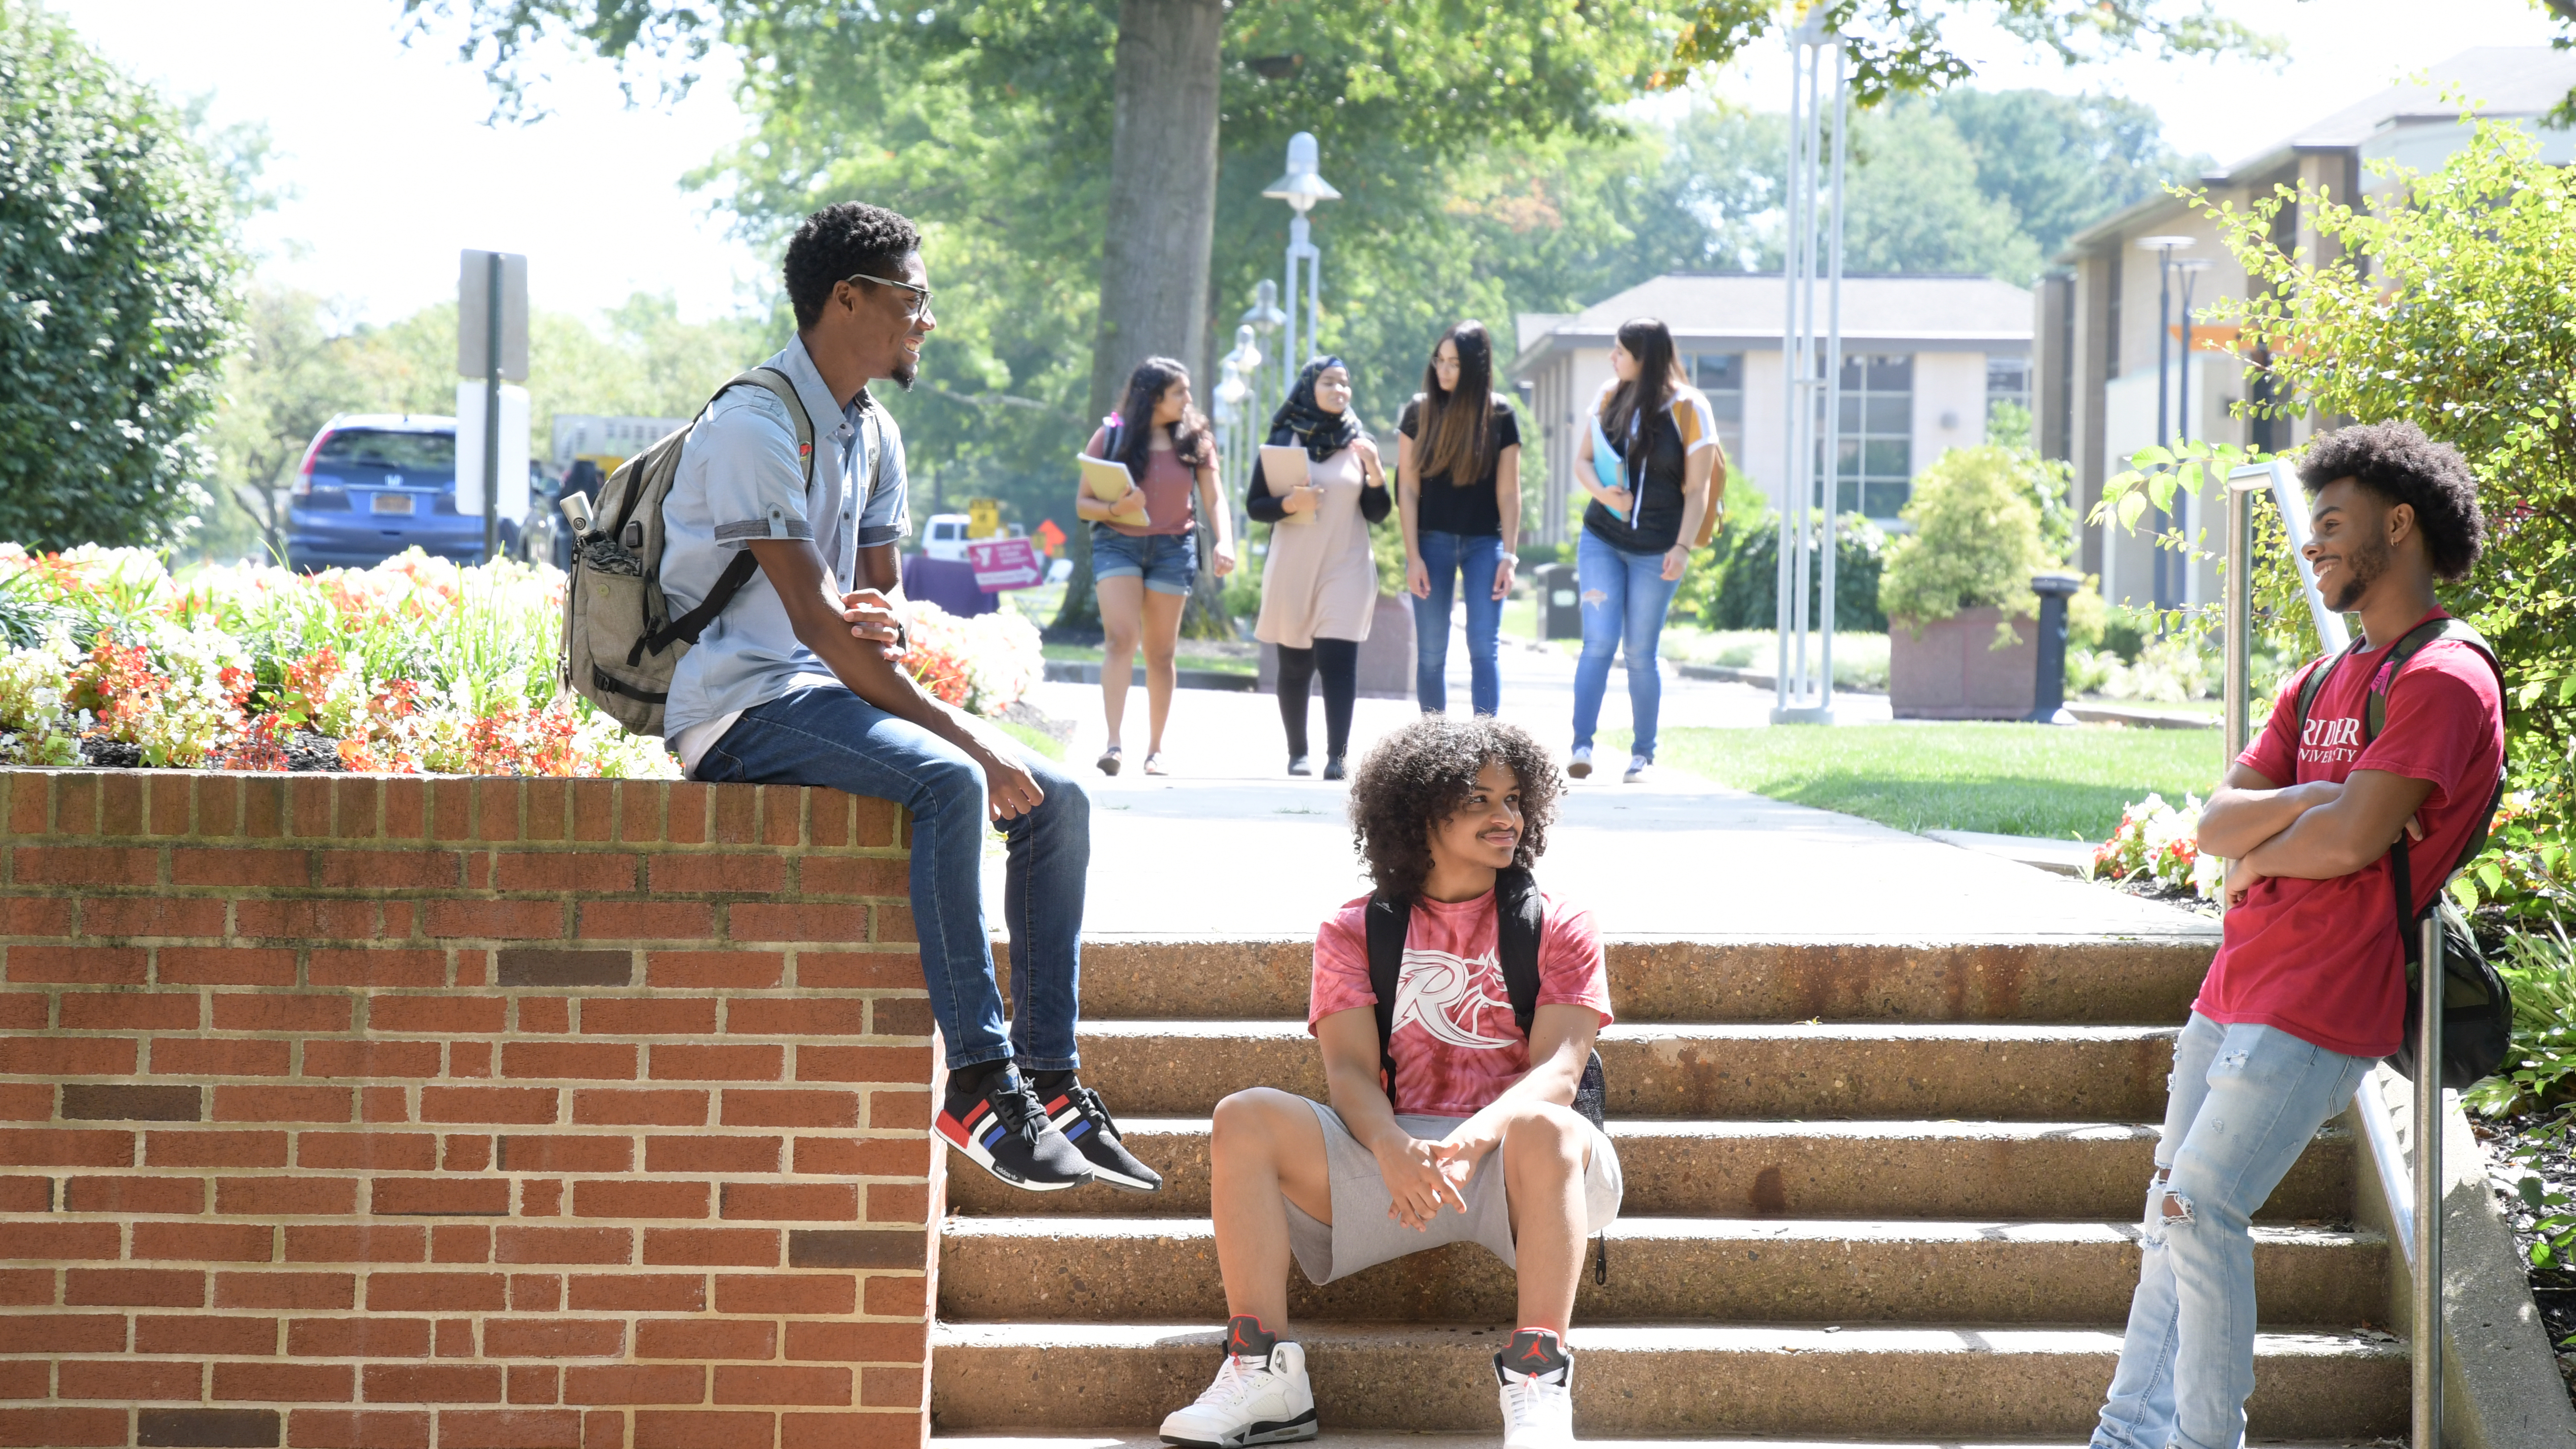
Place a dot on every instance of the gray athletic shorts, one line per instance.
(1361, 1235)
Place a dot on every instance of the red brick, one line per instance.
(854, 875)
(204, 1333)
(390, 870)
(134, 1287)
(706, 1338)
(721, 970)
(26, 1101)
(23, 1010)
(469, 1059)
(894, 924)
(635, 1292)
(130, 1010)
(737, 810)
(26, 1287)
(897, 1295)
(271, 1103)
(711, 1247)
(664, 1016)
(440, 1196)
(547, 1013)
(672, 1108)
(309, 804)
(388, 1383)
(622, 1197)
(862, 1430)
(384, 1104)
(746, 1108)
(907, 1065)
(845, 1342)
(406, 809)
(675, 1429)
(78, 965)
(594, 809)
(692, 1062)
(549, 807)
(383, 1151)
(239, 867)
(134, 1195)
(285, 1383)
(63, 1428)
(782, 814)
(496, 920)
(465, 1152)
(534, 1383)
(451, 809)
(214, 1149)
(693, 1153)
(688, 810)
(370, 1337)
(898, 1202)
(370, 1243)
(273, 1011)
(87, 865)
(595, 1061)
(436, 1292)
(272, 1197)
(120, 803)
(35, 916)
(528, 1105)
(454, 1338)
(53, 1333)
(286, 1290)
(859, 970)
(306, 918)
(496, 811)
(536, 1292)
(581, 872)
(355, 801)
(646, 921)
(799, 921)
(67, 1056)
(33, 1195)
(755, 873)
(901, 1015)
(62, 1240)
(554, 1338)
(564, 1245)
(65, 1147)
(332, 967)
(897, 1109)
(636, 1384)
(509, 1429)
(839, 1016)
(540, 1197)
(203, 1242)
(440, 1015)
(461, 1242)
(566, 1154)
(224, 965)
(773, 1384)
(795, 1293)
(366, 1058)
(153, 915)
(357, 1428)
(893, 1388)
(194, 1056)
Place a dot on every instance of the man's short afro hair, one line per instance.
(841, 241)
(2396, 461)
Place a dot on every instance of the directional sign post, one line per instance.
(492, 343)
(1002, 564)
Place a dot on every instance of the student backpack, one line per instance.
(2477, 1006)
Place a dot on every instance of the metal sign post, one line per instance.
(491, 343)
(1803, 687)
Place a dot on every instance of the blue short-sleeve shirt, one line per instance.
(740, 478)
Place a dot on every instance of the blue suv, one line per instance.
(374, 484)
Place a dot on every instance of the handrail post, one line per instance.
(2240, 612)
(2428, 1193)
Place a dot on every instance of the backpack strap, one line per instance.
(1388, 921)
(2375, 718)
(2313, 683)
(1520, 914)
(742, 566)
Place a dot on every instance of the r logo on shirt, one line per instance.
(1444, 993)
(2326, 741)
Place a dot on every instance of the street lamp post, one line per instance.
(1301, 188)
(2164, 247)
(1264, 318)
(1238, 410)
(2191, 268)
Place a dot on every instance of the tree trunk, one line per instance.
(1154, 258)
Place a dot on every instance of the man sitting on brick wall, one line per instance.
(2309, 988)
(795, 683)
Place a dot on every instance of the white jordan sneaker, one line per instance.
(1536, 1376)
(1260, 1395)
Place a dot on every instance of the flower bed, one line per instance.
(2158, 846)
(417, 665)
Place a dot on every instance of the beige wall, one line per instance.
(1949, 403)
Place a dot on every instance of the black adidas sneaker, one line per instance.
(1076, 1111)
(996, 1122)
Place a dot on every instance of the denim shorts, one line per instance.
(1167, 562)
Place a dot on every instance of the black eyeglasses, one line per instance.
(920, 307)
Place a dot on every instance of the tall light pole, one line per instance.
(1301, 188)
(1811, 362)
(2191, 268)
(1264, 318)
(1238, 410)
(2164, 247)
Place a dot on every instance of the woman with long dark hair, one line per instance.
(1651, 462)
(1458, 488)
(1319, 582)
(1144, 546)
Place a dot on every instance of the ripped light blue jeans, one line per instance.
(2245, 1101)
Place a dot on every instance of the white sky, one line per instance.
(394, 169)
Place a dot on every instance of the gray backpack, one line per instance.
(620, 643)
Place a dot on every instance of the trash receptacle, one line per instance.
(1560, 608)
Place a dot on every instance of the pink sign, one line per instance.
(1005, 563)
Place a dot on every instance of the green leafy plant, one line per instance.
(2540, 1071)
(1976, 542)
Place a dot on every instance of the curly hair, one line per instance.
(837, 243)
(2396, 462)
(1419, 777)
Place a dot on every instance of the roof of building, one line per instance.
(1753, 307)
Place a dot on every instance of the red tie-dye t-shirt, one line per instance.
(1456, 1045)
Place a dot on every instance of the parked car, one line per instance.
(945, 537)
(374, 484)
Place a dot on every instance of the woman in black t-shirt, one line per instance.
(1458, 485)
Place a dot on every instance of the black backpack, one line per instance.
(2477, 1006)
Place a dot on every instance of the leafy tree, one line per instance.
(116, 297)
(285, 382)
(2063, 162)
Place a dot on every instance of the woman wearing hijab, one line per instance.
(1319, 583)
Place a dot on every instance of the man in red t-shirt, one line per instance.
(1474, 1141)
(2309, 987)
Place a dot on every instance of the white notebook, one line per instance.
(1283, 468)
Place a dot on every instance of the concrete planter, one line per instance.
(1386, 655)
(1952, 671)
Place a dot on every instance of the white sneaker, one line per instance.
(1259, 1397)
(1638, 765)
(1579, 764)
(1536, 1376)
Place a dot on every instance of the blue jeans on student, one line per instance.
(830, 736)
(2244, 1103)
(1624, 599)
(1467, 560)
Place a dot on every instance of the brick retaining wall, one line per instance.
(476, 1114)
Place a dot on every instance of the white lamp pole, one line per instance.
(1301, 188)
(1812, 364)
(2164, 247)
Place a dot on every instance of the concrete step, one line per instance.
(2066, 1170)
(1948, 1383)
(1662, 1269)
(2093, 981)
(1997, 1073)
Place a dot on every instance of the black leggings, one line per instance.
(1338, 661)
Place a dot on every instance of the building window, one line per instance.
(2007, 381)
(1874, 472)
(1720, 375)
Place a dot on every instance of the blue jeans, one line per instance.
(1167, 562)
(2245, 1101)
(1453, 558)
(829, 736)
(1624, 599)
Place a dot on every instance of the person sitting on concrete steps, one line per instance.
(797, 682)
(2309, 987)
(1452, 1116)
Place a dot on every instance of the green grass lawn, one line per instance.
(1038, 740)
(2010, 779)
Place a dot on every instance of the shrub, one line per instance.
(1976, 539)
(2540, 1062)
(1747, 595)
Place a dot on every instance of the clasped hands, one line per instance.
(1010, 790)
(1420, 1176)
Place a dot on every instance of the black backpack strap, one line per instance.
(1388, 921)
(1519, 916)
(2311, 685)
(2375, 718)
(738, 572)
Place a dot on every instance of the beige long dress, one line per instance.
(1319, 581)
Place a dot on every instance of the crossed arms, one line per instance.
(2315, 831)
